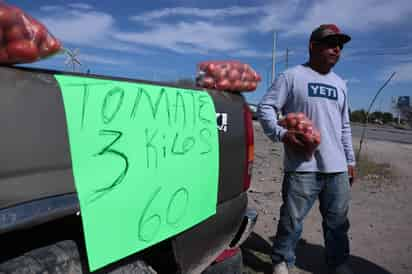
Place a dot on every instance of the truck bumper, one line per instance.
(246, 228)
(230, 260)
(199, 247)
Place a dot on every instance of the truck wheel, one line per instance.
(61, 258)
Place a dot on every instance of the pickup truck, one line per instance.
(113, 175)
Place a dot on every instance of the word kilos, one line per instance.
(171, 123)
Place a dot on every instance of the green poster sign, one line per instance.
(145, 162)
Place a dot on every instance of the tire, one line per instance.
(63, 258)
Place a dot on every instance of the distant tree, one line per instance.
(358, 116)
(186, 82)
(387, 117)
(407, 115)
(377, 115)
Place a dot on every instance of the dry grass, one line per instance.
(367, 168)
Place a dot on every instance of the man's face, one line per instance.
(327, 50)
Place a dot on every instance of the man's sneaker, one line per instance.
(280, 268)
(343, 269)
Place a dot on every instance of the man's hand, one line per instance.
(292, 139)
(351, 174)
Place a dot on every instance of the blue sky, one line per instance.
(164, 40)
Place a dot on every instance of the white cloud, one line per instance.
(279, 15)
(85, 28)
(188, 37)
(352, 80)
(97, 29)
(353, 15)
(252, 53)
(81, 6)
(197, 12)
(97, 59)
(50, 8)
(213, 30)
(403, 72)
(80, 27)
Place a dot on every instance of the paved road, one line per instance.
(384, 134)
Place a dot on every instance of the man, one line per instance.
(315, 90)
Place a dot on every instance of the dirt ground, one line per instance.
(380, 215)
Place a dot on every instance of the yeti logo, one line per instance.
(322, 90)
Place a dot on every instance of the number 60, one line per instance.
(149, 225)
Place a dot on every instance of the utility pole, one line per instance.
(287, 58)
(275, 37)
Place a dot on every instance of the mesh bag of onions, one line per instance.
(227, 76)
(23, 39)
(310, 136)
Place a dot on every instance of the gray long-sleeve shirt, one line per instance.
(324, 100)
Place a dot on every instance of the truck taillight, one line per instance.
(230, 252)
(247, 176)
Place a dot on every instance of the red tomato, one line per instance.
(227, 66)
(245, 67)
(237, 66)
(309, 130)
(15, 11)
(291, 115)
(223, 84)
(291, 122)
(23, 51)
(316, 137)
(237, 85)
(4, 57)
(253, 86)
(211, 68)
(301, 116)
(222, 73)
(217, 72)
(44, 49)
(55, 46)
(7, 18)
(49, 46)
(234, 75)
(243, 76)
(1, 37)
(16, 32)
(208, 82)
(38, 31)
(316, 140)
(245, 85)
(257, 77)
(308, 137)
(300, 127)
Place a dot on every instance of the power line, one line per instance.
(275, 38)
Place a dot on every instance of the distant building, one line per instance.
(400, 104)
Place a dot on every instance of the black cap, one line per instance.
(327, 30)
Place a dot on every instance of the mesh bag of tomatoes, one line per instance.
(23, 39)
(310, 135)
(227, 76)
